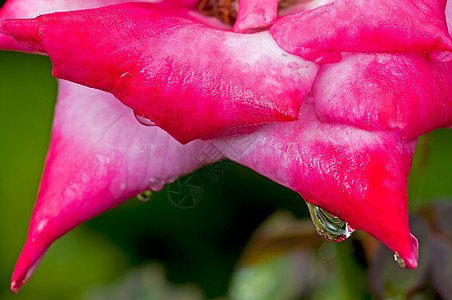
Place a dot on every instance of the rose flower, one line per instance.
(324, 97)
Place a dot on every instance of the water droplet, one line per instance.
(156, 184)
(144, 196)
(399, 260)
(42, 225)
(171, 179)
(144, 121)
(328, 226)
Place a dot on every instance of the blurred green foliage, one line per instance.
(199, 246)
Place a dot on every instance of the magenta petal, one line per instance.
(297, 6)
(255, 14)
(186, 3)
(191, 80)
(99, 157)
(364, 26)
(401, 91)
(449, 16)
(33, 8)
(14, 9)
(359, 176)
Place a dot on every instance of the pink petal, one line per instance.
(191, 80)
(186, 3)
(449, 16)
(14, 9)
(99, 157)
(364, 26)
(356, 175)
(32, 8)
(297, 6)
(255, 14)
(401, 91)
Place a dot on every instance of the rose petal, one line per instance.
(297, 6)
(99, 157)
(14, 9)
(449, 16)
(364, 26)
(359, 176)
(401, 91)
(255, 14)
(32, 8)
(186, 3)
(191, 80)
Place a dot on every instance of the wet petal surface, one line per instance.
(364, 26)
(358, 176)
(406, 92)
(191, 80)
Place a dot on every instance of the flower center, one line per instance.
(226, 10)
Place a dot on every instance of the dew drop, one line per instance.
(42, 225)
(171, 179)
(328, 226)
(156, 184)
(144, 196)
(144, 121)
(399, 260)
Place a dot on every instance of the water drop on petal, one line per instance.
(171, 179)
(399, 260)
(42, 225)
(328, 226)
(144, 196)
(144, 121)
(156, 184)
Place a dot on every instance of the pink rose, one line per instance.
(342, 134)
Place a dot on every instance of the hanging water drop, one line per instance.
(328, 226)
(144, 121)
(399, 260)
(144, 196)
(156, 184)
(171, 179)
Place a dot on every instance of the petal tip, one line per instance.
(20, 28)
(25, 31)
(28, 261)
(17, 282)
(412, 260)
(14, 287)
